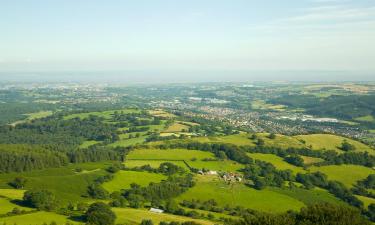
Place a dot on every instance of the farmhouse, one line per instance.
(155, 210)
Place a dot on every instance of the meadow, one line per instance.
(37, 218)
(169, 154)
(346, 174)
(331, 142)
(176, 127)
(123, 179)
(237, 194)
(135, 216)
(64, 182)
(104, 114)
(7, 206)
(131, 163)
(277, 161)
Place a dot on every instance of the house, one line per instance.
(212, 172)
(155, 210)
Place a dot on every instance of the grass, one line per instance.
(153, 163)
(236, 139)
(64, 182)
(8, 206)
(176, 127)
(366, 200)
(135, 216)
(346, 174)
(226, 165)
(260, 104)
(37, 218)
(87, 144)
(277, 161)
(104, 114)
(307, 160)
(280, 141)
(368, 118)
(237, 194)
(331, 142)
(170, 154)
(123, 179)
(124, 142)
(12, 193)
(39, 115)
(161, 113)
(309, 197)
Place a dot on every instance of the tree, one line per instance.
(42, 199)
(346, 146)
(222, 155)
(18, 182)
(100, 213)
(147, 222)
(260, 142)
(97, 191)
(272, 136)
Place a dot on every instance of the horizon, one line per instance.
(318, 40)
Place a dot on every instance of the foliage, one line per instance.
(100, 213)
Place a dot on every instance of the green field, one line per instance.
(68, 185)
(366, 200)
(123, 179)
(87, 144)
(105, 114)
(127, 142)
(236, 139)
(169, 154)
(37, 218)
(212, 187)
(176, 127)
(331, 142)
(368, 118)
(7, 206)
(280, 141)
(153, 163)
(277, 161)
(309, 197)
(135, 216)
(226, 165)
(12, 193)
(346, 174)
(310, 160)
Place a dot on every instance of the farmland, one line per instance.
(277, 161)
(123, 179)
(210, 187)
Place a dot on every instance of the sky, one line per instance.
(332, 39)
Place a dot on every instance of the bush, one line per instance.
(100, 213)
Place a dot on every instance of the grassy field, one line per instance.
(153, 163)
(67, 184)
(161, 113)
(236, 139)
(260, 104)
(226, 165)
(277, 161)
(87, 144)
(7, 206)
(105, 114)
(135, 216)
(368, 118)
(280, 141)
(331, 142)
(366, 200)
(123, 179)
(170, 154)
(212, 187)
(176, 127)
(346, 174)
(309, 197)
(12, 193)
(310, 160)
(33, 116)
(37, 218)
(124, 142)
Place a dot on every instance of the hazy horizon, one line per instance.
(184, 41)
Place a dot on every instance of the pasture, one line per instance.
(129, 163)
(225, 165)
(310, 160)
(237, 194)
(37, 218)
(135, 216)
(277, 161)
(104, 114)
(7, 206)
(331, 142)
(12, 193)
(176, 128)
(366, 200)
(123, 179)
(64, 182)
(346, 174)
(169, 154)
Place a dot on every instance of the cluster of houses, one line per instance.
(231, 177)
(226, 176)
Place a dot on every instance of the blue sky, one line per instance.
(193, 35)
